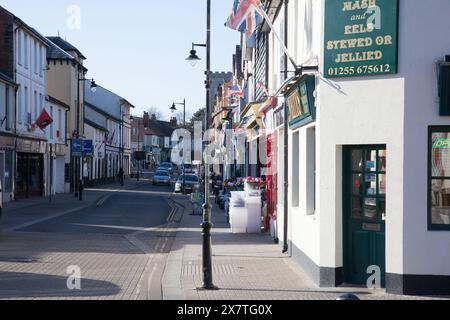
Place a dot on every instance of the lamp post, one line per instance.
(174, 109)
(122, 144)
(139, 147)
(78, 183)
(206, 225)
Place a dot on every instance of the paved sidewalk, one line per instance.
(17, 215)
(246, 267)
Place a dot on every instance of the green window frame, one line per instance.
(439, 178)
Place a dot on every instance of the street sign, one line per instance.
(88, 148)
(77, 148)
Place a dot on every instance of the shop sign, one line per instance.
(88, 148)
(300, 102)
(360, 38)
(77, 148)
(31, 146)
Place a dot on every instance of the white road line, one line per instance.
(29, 224)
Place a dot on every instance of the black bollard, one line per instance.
(348, 297)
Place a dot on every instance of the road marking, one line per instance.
(34, 222)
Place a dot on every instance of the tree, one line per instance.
(155, 111)
(199, 116)
(179, 115)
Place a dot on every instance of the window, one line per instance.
(35, 107)
(60, 133)
(19, 105)
(311, 171)
(41, 61)
(19, 47)
(439, 178)
(41, 106)
(296, 169)
(35, 56)
(25, 111)
(7, 106)
(9, 165)
(26, 62)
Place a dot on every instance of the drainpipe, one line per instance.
(286, 143)
(13, 195)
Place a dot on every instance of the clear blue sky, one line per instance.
(137, 48)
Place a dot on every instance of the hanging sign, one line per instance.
(360, 38)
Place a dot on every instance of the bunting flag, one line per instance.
(245, 17)
(44, 121)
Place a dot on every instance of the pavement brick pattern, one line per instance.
(111, 267)
(246, 267)
(35, 265)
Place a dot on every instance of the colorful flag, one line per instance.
(235, 91)
(44, 120)
(246, 16)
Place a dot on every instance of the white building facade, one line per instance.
(30, 76)
(368, 145)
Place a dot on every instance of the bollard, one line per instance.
(348, 297)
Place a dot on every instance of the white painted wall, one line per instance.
(364, 111)
(424, 37)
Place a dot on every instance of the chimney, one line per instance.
(146, 120)
(173, 122)
(154, 117)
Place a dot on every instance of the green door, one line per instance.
(364, 212)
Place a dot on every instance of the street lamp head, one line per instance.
(174, 108)
(193, 58)
(93, 86)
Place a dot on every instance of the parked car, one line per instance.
(168, 166)
(192, 184)
(189, 169)
(161, 177)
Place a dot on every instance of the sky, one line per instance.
(137, 48)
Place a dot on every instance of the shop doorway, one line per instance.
(364, 184)
(30, 170)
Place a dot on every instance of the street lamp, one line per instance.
(193, 57)
(122, 145)
(206, 225)
(139, 146)
(174, 109)
(79, 188)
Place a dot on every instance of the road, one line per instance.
(118, 246)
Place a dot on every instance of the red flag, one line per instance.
(44, 120)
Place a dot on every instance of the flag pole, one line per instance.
(272, 28)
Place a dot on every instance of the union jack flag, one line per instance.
(235, 91)
(245, 16)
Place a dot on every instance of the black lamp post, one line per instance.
(122, 144)
(139, 147)
(174, 109)
(79, 188)
(206, 225)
